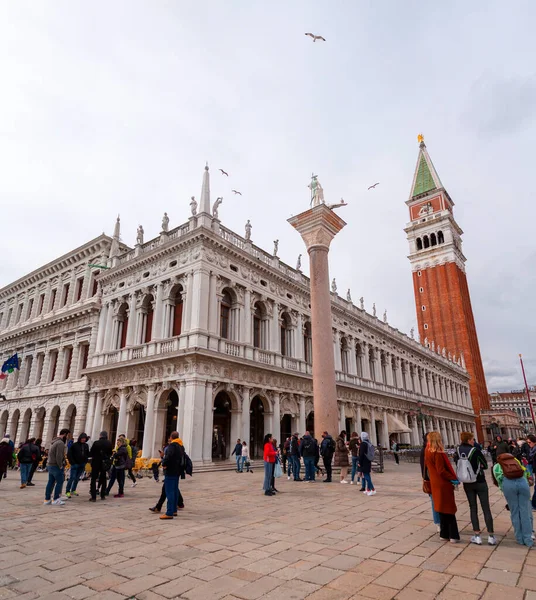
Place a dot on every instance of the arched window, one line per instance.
(146, 318)
(440, 237)
(359, 359)
(426, 241)
(175, 312)
(433, 239)
(225, 315)
(307, 343)
(419, 244)
(121, 326)
(372, 364)
(344, 355)
(260, 326)
(286, 334)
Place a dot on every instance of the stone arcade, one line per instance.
(201, 331)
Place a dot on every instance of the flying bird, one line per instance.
(224, 172)
(371, 187)
(316, 37)
(237, 192)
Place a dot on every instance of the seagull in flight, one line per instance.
(316, 37)
(224, 172)
(237, 192)
(371, 187)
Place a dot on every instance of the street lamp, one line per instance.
(421, 415)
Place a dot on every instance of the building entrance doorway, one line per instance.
(221, 436)
(256, 431)
(172, 411)
(286, 428)
(310, 424)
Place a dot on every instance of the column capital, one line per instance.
(317, 226)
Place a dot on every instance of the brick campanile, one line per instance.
(444, 312)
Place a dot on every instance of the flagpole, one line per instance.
(528, 393)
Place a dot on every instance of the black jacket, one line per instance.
(100, 450)
(78, 453)
(308, 446)
(237, 450)
(365, 465)
(174, 460)
(28, 454)
(327, 447)
(294, 446)
(477, 460)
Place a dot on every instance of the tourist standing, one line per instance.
(56, 469)
(327, 450)
(173, 465)
(285, 455)
(238, 455)
(28, 453)
(341, 456)
(119, 465)
(77, 455)
(353, 446)
(442, 481)
(6, 457)
(477, 487)
(131, 463)
(295, 456)
(35, 464)
(425, 477)
(100, 456)
(394, 449)
(308, 451)
(531, 467)
(366, 455)
(269, 457)
(245, 457)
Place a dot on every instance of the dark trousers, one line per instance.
(32, 471)
(131, 475)
(171, 485)
(480, 490)
(296, 467)
(162, 498)
(448, 527)
(309, 463)
(397, 460)
(98, 482)
(121, 480)
(327, 464)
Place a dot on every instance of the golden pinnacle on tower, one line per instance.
(420, 138)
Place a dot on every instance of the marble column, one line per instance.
(342, 419)
(108, 328)
(303, 417)
(122, 420)
(358, 425)
(337, 350)
(247, 336)
(148, 433)
(385, 430)
(298, 338)
(194, 406)
(208, 424)
(158, 313)
(246, 405)
(318, 226)
(90, 417)
(276, 425)
(131, 326)
(97, 416)
(275, 338)
(373, 437)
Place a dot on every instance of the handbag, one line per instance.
(278, 471)
(426, 485)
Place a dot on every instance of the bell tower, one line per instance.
(444, 312)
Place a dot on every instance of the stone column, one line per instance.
(385, 441)
(97, 416)
(352, 361)
(108, 331)
(318, 226)
(373, 437)
(246, 403)
(303, 416)
(187, 300)
(122, 420)
(90, 417)
(298, 339)
(275, 338)
(194, 405)
(277, 417)
(342, 419)
(337, 350)
(365, 361)
(406, 436)
(131, 326)
(415, 431)
(148, 433)
(213, 312)
(247, 337)
(180, 408)
(158, 313)
(358, 425)
(208, 424)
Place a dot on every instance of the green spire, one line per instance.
(426, 178)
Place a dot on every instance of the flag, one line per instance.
(11, 364)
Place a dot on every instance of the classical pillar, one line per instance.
(416, 441)
(298, 345)
(337, 350)
(342, 419)
(194, 406)
(158, 313)
(187, 298)
(275, 338)
(277, 417)
(90, 417)
(303, 416)
(385, 441)
(108, 331)
(373, 437)
(358, 425)
(199, 294)
(352, 361)
(406, 436)
(122, 420)
(365, 361)
(148, 432)
(247, 337)
(131, 325)
(97, 416)
(318, 226)
(246, 404)
(208, 424)
(180, 408)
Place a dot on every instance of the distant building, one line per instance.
(517, 402)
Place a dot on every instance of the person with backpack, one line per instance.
(309, 451)
(470, 466)
(353, 446)
(77, 455)
(513, 481)
(327, 450)
(185, 469)
(100, 456)
(173, 463)
(295, 456)
(442, 482)
(28, 453)
(366, 456)
(6, 457)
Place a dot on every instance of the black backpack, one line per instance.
(308, 445)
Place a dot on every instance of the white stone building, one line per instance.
(201, 331)
(516, 401)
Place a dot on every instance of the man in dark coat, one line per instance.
(6, 457)
(27, 455)
(78, 456)
(36, 462)
(327, 449)
(173, 464)
(295, 456)
(308, 451)
(238, 452)
(100, 456)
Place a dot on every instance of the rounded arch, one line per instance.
(121, 326)
(39, 424)
(173, 317)
(426, 241)
(419, 243)
(260, 325)
(3, 423)
(69, 418)
(221, 425)
(258, 414)
(227, 306)
(147, 308)
(285, 329)
(15, 425)
(433, 239)
(440, 237)
(25, 426)
(53, 424)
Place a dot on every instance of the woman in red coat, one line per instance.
(269, 463)
(442, 481)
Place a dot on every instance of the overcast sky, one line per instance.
(114, 107)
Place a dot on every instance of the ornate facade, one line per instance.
(201, 331)
(516, 401)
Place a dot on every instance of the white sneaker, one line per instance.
(365, 491)
(438, 528)
(288, 477)
(351, 483)
(476, 539)
(47, 502)
(371, 493)
(343, 481)
(134, 484)
(58, 502)
(491, 540)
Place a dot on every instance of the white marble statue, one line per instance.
(248, 230)
(193, 206)
(385, 317)
(433, 346)
(334, 286)
(276, 247)
(165, 223)
(374, 309)
(348, 295)
(412, 333)
(317, 192)
(139, 236)
(215, 207)
(298, 263)
(362, 303)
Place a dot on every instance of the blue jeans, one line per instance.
(56, 477)
(435, 515)
(171, 485)
(290, 465)
(25, 469)
(243, 462)
(309, 463)
(238, 459)
(355, 467)
(296, 466)
(74, 476)
(367, 482)
(517, 494)
(268, 472)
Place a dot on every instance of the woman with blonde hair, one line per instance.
(442, 481)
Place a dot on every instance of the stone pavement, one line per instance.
(315, 541)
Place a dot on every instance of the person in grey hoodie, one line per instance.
(56, 469)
